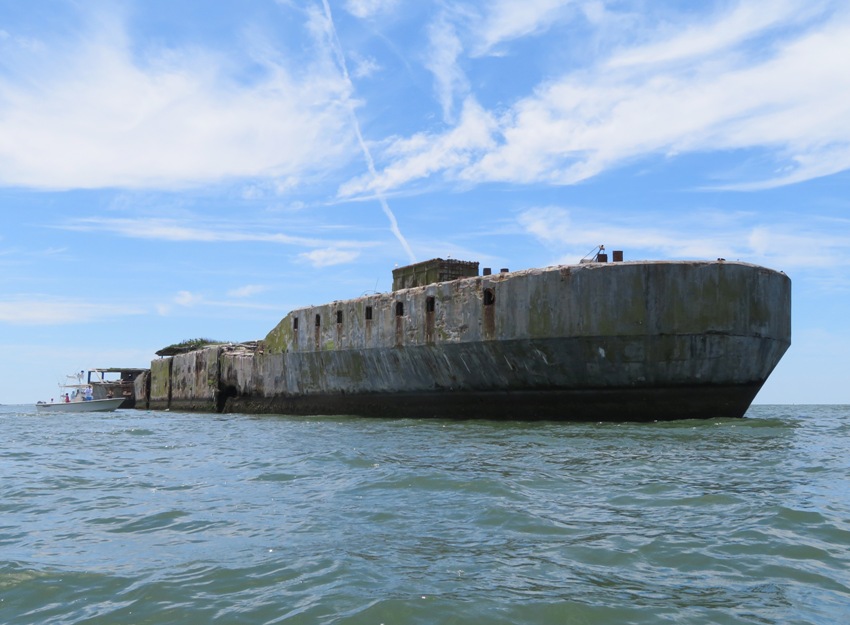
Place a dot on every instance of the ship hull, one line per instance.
(633, 341)
(598, 405)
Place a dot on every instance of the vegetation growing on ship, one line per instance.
(187, 346)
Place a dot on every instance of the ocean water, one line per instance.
(139, 517)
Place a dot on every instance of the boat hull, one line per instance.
(634, 341)
(612, 404)
(95, 405)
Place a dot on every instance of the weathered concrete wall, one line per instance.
(591, 300)
(141, 390)
(160, 388)
(625, 330)
(195, 380)
(430, 271)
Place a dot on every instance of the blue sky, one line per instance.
(172, 169)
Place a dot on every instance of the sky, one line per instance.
(176, 169)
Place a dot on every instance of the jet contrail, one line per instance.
(337, 48)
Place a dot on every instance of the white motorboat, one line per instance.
(80, 405)
(78, 398)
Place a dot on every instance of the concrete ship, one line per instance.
(637, 340)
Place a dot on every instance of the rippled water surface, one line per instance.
(140, 517)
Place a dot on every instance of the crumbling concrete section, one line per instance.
(431, 271)
(142, 390)
(635, 340)
(160, 385)
(195, 380)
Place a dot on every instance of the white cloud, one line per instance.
(36, 310)
(698, 234)
(364, 67)
(247, 291)
(329, 257)
(90, 114)
(743, 22)
(506, 20)
(368, 8)
(787, 99)
(187, 298)
(549, 224)
(162, 229)
(424, 154)
(442, 61)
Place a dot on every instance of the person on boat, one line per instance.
(67, 399)
(88, 396)
(109, 394)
